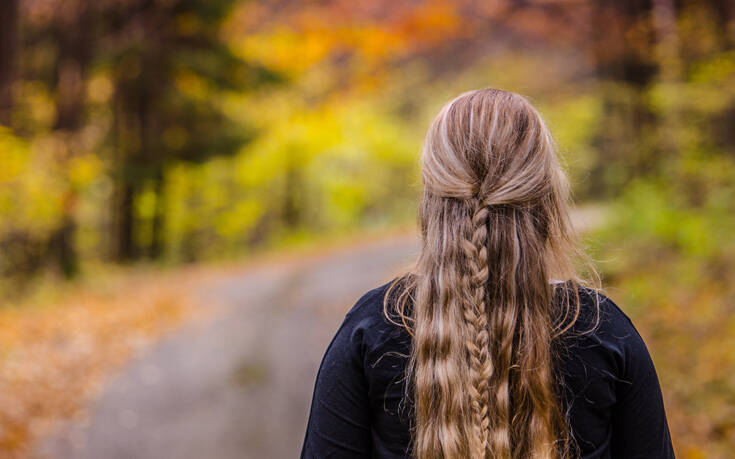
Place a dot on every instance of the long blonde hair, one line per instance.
(496, 232)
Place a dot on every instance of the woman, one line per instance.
(479, 352)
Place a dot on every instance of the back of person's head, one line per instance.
(496, 233)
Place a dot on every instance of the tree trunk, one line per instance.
(8, 50)
(125, 176)
(62, 243)
(725, 14)
(626, 67)
(292, 188)
(73, 37)
(125, 224)
(158, 242)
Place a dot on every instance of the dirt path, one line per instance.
(239, 384)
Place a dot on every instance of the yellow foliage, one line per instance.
(13, 155)
(100, 89)
(192, 85)
(84, 169)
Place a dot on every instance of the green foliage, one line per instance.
(669, 255)
(328, 169)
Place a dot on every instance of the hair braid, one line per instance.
(475, 315)
(494, 221)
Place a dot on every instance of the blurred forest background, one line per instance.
(141, 134)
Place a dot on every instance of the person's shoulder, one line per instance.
(599, 310)
(603, 322)
(619, 337)
(367, 317)
(355, 333)
(369, 305)
(369, 325)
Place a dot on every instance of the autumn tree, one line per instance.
(169, 63)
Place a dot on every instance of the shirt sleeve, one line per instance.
(339, 420)
(639, 425)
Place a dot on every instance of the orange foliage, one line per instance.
(54, 358)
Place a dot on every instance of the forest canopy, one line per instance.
(183, 130)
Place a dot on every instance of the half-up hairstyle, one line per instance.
(479, 304)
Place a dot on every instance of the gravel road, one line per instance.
(239, 384)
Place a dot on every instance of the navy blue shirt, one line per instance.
(359, 407)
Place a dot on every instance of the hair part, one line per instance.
(479, 302)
